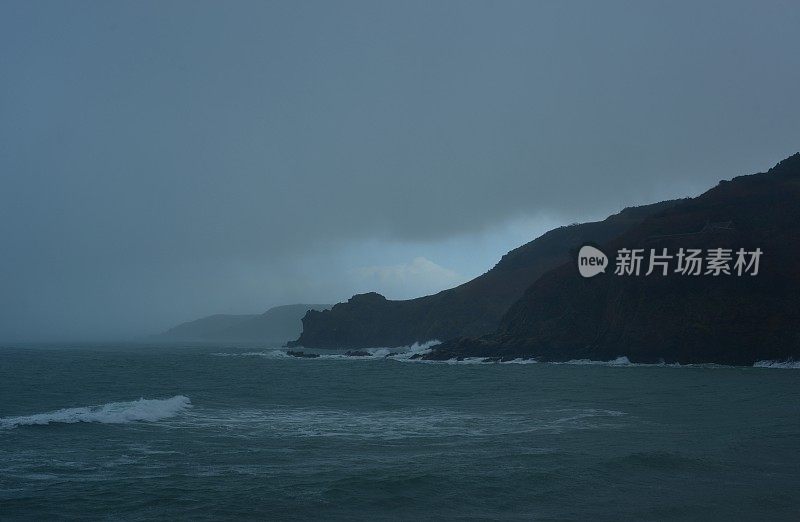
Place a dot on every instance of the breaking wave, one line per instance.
(790, 364)
(145, 410)
(624, 362)
(619, 361)
(402, 353)
(411, 354)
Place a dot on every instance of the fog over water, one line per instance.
(163, 161)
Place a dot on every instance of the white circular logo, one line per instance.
(591, 261)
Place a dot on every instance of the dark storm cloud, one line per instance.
(164, 159)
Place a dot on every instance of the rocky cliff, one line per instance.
(474, 308)
(674, 318)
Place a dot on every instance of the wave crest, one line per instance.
(142, 410)
(402, 353)
(790, 364)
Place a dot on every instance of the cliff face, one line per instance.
(474, 308)
(674, 318)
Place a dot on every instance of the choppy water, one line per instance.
(139, 433)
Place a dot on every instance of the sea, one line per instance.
(155, 432)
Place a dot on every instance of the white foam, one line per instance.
(402, 353)
(623, 362)
(145, 410)
(619, 361)
(790, 364)
(520, 361)
(407, 353)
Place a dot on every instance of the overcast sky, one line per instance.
(164, 160)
